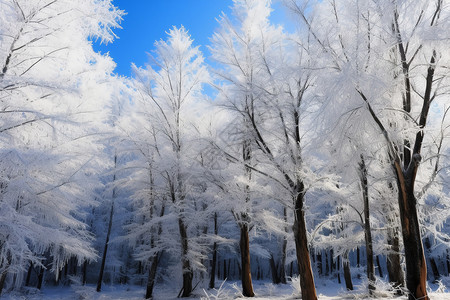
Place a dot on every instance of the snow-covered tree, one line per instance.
(49, 75)
(387, 61)
(266, 84)
(172, 88)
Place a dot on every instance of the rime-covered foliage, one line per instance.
(50, 86)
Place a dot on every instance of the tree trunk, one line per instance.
(393, 262)
(416, 268)
(338, 268)
(433, 264)
(282, 275)
(224, 269)
(105, 248)
(108, 233)
(40, 278)
(448, 262)
(274, 271)
(347, 274)
(2, 280)
(152, 276)
(380, 271)
(367, 229)
(319, 262)
(85, 263)
(246, 277)
(30, 269)
(212, 278)
(307, 286)
(186, 264)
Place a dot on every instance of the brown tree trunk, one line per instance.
(416, 268)
(307, 286)
(246, 277)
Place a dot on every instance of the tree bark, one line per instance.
(105, 248)
(282, 275)
(186, 264)
(319, 262)
(212, 278)
(307, 286)
(367, 229)
(84, 272)
(433, 264)
(274, 271)
(380, 271)
(246, 277)
(108, 233)
(30, 269)
(393, 262)
(152, 276)
(40, 277)
(3, 279)
(416, 269)
(347, 273)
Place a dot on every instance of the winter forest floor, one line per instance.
(264, 290)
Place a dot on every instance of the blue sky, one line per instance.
(148, 20)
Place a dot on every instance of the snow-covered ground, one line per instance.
(326, 290)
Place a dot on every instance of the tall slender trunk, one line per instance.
(283, 251)
(433, 264)
(40, 277)
(3, 279)
(246, 276)
(380, 271)
(319, 262)
(347, 274)
(307, 286)
(188, 274)
(393, 262)
(367, 229)
(152, 276)
(338, 268)
(273, 270)
(84, 272)
(105, 248)
(212, 277)
(30, 269)
(155, 259)
(108, 233)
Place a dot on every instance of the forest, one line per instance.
(306, 156)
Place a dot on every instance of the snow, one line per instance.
(264, 290)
